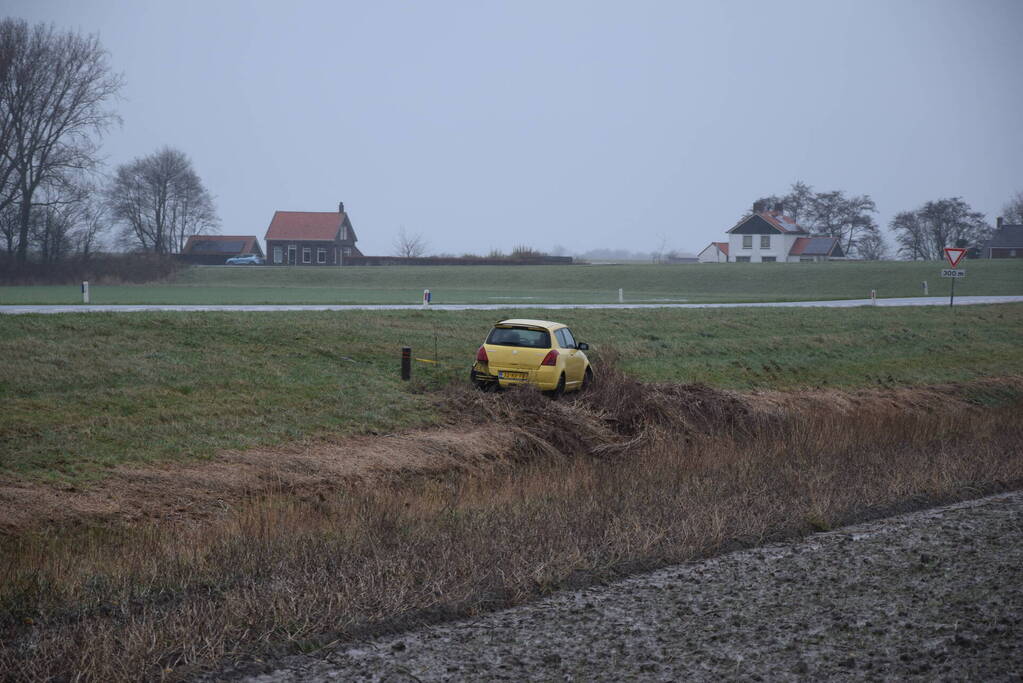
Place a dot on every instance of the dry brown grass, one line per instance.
(628, 477)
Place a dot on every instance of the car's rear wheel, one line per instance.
(587, 380)
(559, 390)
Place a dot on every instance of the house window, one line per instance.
(765, 241)
(278, 255)
(348, 251)
(769, 259)
(747, 242)
(742, 259)
(307, 255)
(321, 255)
(806, 259)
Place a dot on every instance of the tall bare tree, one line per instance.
(55, 90)
(67, 221)
(1012, 212)
(872, 246)
(925, 232)
(409, 246)
(848, 218)
(911, 235)
(160, 202)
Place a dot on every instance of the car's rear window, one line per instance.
(520, 336)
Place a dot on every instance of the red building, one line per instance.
(215, 249)
(310, 238)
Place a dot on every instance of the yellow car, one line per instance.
(538, 352)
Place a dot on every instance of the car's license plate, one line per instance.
(513, 375)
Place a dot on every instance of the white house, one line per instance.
(716, 252)
(770, 236)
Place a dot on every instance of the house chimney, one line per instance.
(998, 223)
(340, 207)
(779, 208)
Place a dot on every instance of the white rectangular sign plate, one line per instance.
(953, 272)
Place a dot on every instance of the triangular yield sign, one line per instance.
(954, 255)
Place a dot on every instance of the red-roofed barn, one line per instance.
(311, 238)
(215, 249)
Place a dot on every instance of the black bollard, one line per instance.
(406, 362)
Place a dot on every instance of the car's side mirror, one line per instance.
(583, 346)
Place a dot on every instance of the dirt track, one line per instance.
(930, 595)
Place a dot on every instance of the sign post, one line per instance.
(953, 255)
(426, 298)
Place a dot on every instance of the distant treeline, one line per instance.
(94, 268)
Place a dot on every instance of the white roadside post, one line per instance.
(621, 296)
(873, 296)
(426, 298)
(925, 287)
(85, 291)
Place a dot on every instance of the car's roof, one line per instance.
(525, 322)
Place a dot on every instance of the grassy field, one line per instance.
(541, 284)
(82, 393)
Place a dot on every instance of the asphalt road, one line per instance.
(842, 303)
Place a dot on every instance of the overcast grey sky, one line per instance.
(586, 124)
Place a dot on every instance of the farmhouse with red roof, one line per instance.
(311, 238)
(771, 236)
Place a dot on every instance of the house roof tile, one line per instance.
(723, 246)
(222, 245)
(305, 225)
(1009, 236)
(813, 246)
(784, 224)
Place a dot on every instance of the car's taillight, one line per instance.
(481, 355)
(551, 358)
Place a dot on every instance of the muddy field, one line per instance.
(933, 595)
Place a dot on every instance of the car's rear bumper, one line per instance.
(545, 378)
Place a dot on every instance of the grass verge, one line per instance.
(85, 393)
(626, 477)
(734, 282)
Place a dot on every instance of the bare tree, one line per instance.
(54, 93)
(847, 218)
(925, 232)
(872, 246)
(796, 204)
(67, 221)
(1012, 212)
(9, 229)
(658, 254)
(911, 236)
(160, 202)
(409, 246)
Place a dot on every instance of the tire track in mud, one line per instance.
(936, 594)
